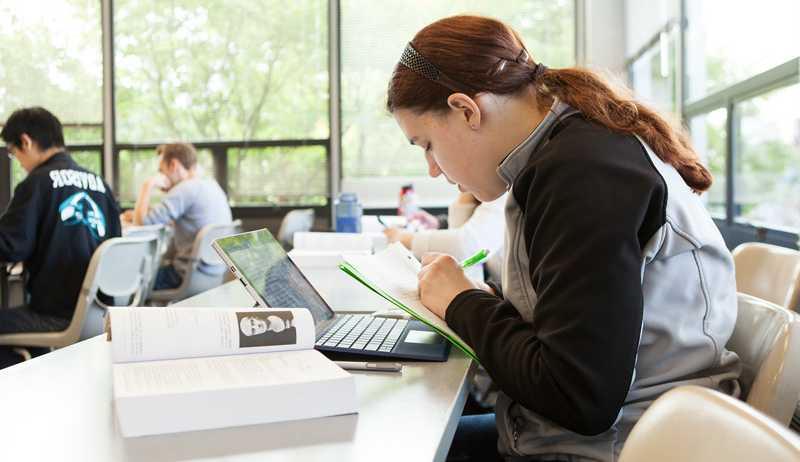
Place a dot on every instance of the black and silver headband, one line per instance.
(417, 63)
(413, 60)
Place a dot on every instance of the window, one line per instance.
(52, 58)
(287, 176)
(734, 41)
(653, 53)
(372, 39)
(709, 140)
(644, 20)
(654, 75)
(767, 168)
(228, 71)
(204, 70)
(739, 79)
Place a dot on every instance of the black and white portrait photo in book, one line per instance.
(258, 328)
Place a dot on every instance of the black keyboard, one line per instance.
(363, 332)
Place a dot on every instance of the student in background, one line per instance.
(617, 285)
(59, 214)
(471, 225)
(191, 202)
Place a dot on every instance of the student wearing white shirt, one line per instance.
(472, 225)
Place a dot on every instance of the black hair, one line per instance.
(37, 122)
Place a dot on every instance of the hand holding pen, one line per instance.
(442, 278)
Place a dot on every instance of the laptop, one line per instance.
(258, 260)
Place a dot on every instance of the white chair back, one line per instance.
(162, 233)
(769, 272)
(767, 340)
(202, 252)
(198, 280)
(116, 270)
(695, 424)
(295, 221)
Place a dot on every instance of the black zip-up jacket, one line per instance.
(617, 287)
(57, 218)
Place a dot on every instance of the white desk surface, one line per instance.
(59, 407)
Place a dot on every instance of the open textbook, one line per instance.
(392, 274)
(180, 369)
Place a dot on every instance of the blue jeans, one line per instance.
(475, 440)
(167, 278)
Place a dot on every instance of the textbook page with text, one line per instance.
(179, 369)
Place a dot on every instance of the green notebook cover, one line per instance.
(355, 274)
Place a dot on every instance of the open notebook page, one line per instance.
(394, 271)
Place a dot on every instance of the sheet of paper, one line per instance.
(155, 333)
(393, 273)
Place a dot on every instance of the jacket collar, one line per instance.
(60, 156)
(518, 158)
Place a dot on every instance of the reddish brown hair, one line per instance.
(483, 55)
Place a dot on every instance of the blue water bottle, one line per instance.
(348, 213)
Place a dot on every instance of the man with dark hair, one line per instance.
(58, 216)
(191, 203)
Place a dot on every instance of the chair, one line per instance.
(694, 424)
(295, 221)
(197, 280)
(769, 272)
(162, 234)
(767, 340)
(116, 270)
(12, 284)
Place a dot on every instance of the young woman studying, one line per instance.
(617, 285)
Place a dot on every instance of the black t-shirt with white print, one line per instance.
(59, 215)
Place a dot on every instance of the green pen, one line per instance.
(475, 259)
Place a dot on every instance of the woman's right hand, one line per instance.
(440, 280)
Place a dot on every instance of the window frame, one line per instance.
(109, 148)
(735, 231)
(391, 186)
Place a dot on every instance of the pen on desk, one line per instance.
(475, 259)
(362, 366)
(380, 220)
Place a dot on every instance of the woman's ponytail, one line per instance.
(598, 101)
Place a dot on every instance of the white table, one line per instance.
(58, 407)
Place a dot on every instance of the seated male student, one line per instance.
(191, 203)
(59, 214)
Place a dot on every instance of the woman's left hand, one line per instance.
(440, 280)
(398, 235)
